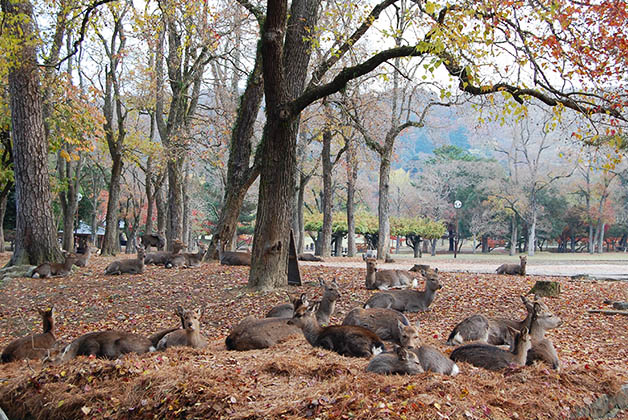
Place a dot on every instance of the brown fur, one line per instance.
(253, 333)
(492, 357)
(407, 300)
(35, 346)
(162, 257)
(48, 269)
(401, 362)
(382, 321)
(83, 259)
(130, 265)
(150, 239)
(189, 336)
(514, 269)
(309, 257)
(430, 358)
(331, 293)
(106, 344)
(542, 348)
(386, 279)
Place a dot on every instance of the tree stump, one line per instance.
(545, 289)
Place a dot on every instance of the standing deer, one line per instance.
(402, 361)
(161, 257)
(130, 265)
(48, 269)
(492, 357)
(382, 321)
(430, 358)
(106, 344)
(519, 269)
(150, 239)
(347, 340)
(407, 300)
(188, 336)
(331, 293)
(387, 279)
(35, 346)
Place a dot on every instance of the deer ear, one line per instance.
(513, 331)
(314, 307)
(524, 331)
(321, 282)
(179, 310)
(400, 325)
(304, 300)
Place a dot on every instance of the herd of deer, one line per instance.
(361, 334)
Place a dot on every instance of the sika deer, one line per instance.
(514, 268)
(542, 348)
(189, 336)
(106, 344)
(331, 294)
(387, 279)
(401, 362)
(407, 300)
(195, 259)
(48, 269)
(35, 346)
(492, 357)
(253, 333)
(233, 258)
(347, 340)
(382, 321)
(430, 358)
(155, 338)
(308, 257)
(130, 265)
(489, 330)
(161, 257)
(151, 239)
(83, 259)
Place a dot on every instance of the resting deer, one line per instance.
(401, 361)
(347, 340)
(387, 279)
(253, 333)
(489, 330)
(106, 344)
(35, 346)
(492, 357)
(430, 358)
(186, 259)
(161, 257)
(188, 336)
(155, 338)
(542, 348)
(331, 293)
(407, 300)
(309, 257)
(382, 321)
(233, 258)
(48, 269)
(514, 268)
(83, 259)
(128, 266)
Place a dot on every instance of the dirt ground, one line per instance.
(294, 380)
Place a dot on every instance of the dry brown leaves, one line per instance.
(293, 380)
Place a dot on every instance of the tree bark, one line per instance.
(36, 238)
(383, 207)
(352, 175)
(4, 198)
(111, 241)
(327, 194)
(514, 234)
(69, 175)
(186, 208)
(162, 211)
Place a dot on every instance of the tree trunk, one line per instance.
(162, 211)
(433, 241)
(514, 234)
(474, 242)
(36, 238)
(352, 175)
(327, 193)
(300, 205)
(111, 241)
(186, 208)
(383, 208)
(532, 233)
(174, 227)
(4, 198)
(69, 175)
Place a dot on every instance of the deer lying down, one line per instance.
(106, 344)
(189, 336)
(128, 266)
(401, 361)
(155, 338)
(494, 331)
(161, 257)
(48, 269)
(83, 259)
(331, 293)
(492, 357)
(519, 269)
(347, 340)
(252, 333)
(430, 358)
(407, 300)
(35, 346)
(309, 257)
(387, 279)
(382, 321)
(186, 259)
(542, 348)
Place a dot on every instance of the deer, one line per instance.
(402, 362)
(331, 293)
(542, 348)
(128, 266)
(382, 321)
(492, 357)
(387, 279)
(519, 269)
(232, 257)
(489, 330)
(150, 239)
(189, 336)
(108, 344)
(155, 338)
(309, 257)
(252, 333)
(48, 269)
(346, 340)
(161, 257)
(35, 346)
(187, 259)
(430, 358)
(408, 300)
(83, 259)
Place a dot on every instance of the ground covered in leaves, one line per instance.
(294, 380)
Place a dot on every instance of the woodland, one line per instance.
(235, 125)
